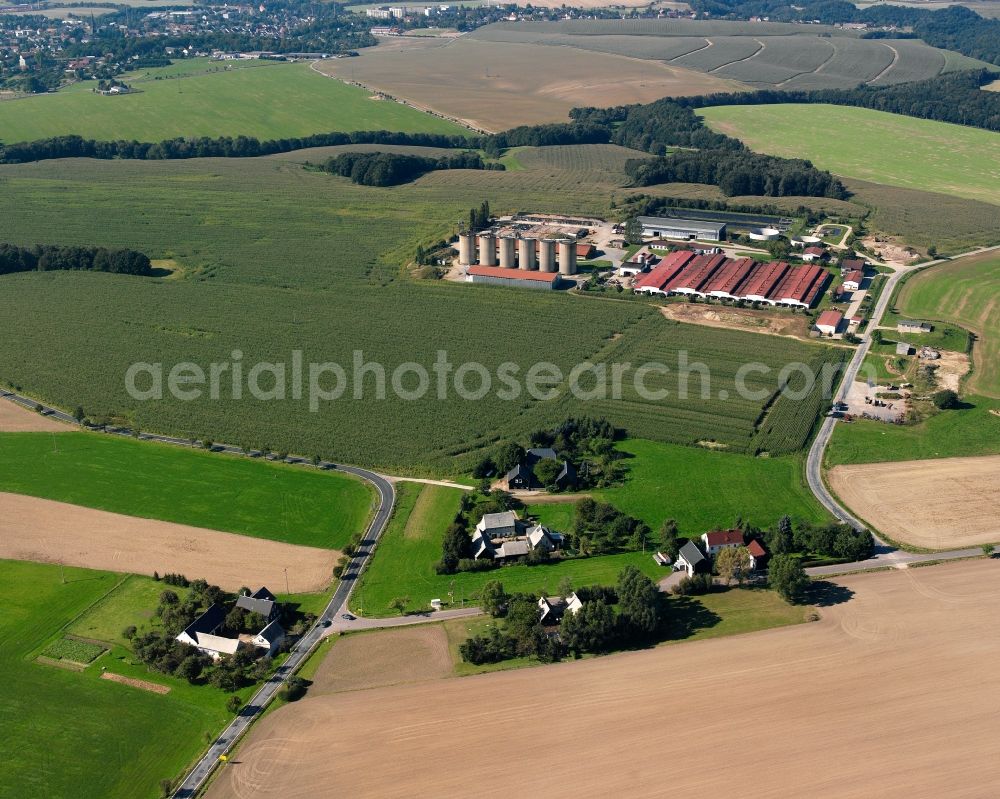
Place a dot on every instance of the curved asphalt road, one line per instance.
(387, 499)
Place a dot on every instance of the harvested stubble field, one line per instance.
(933, 504)
(496, 86)
(190, 100)
(322, 277)
(388, 657)
(821, 694)
(872, 145)
(763, 55)
(15, 418)
(54, 532)
(966, 292)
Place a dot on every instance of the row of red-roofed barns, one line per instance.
(774, 283)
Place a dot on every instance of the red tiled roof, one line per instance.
(764, 279)
(732, 274)
(755, 549)
(513, 274)
(719, 537)
(814, 251)
(831, 318)
(659, 276)
(854, 277)
(696, 274)
(799, 285)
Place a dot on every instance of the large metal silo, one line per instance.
(567, 257)
(547, 255)
(526, 253)
(507, 252)
(466, 249)
(487, 249)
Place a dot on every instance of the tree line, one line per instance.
(205, 147)
(392, 169)
(738, 172)
(51, 258)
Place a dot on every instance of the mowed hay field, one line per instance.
(875, 676)
(495, 86)
(54, 532)
(758, 54)
(70, 733)
(268, 101)
(933, 504)
(965, 292)
(872, 145)
(159, 481)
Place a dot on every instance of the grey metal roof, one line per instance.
(680, 224)
(265, 607)
(691, 554)
(542, 453)
(272, 632)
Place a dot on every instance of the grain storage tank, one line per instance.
(547, 255)
(526, 253)
(507, 252)
(487, 249)
(466, 249)
(567, 257)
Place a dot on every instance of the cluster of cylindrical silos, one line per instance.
(518, 252)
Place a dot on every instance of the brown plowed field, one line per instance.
(17, 419)
(936, 504)
(495, 86)
(890, 695)
(55, 532)
(389, 657)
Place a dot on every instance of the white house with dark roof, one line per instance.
(554, 608)
(203, 635)
(497, 525)
(690, 559)
(502, 536)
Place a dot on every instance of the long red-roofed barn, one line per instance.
(764, 281)
(660, 275)
(800, 286)
(695, 275)
(729, 279)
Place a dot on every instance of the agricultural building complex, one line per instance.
(682, 228)
(517, 260)
(775, 283)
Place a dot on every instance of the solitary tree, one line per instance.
(781, 540)
(633, 231)
(787, 577)
(733, 563)
(988, 550)
(945, 400)
(493, 598)
(565, 586)
(399, 603)
(668, 538)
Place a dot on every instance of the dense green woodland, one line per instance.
(50, 258)
(391, 169)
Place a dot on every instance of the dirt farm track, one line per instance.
(893, 693)
(935, 504)
(55, 532)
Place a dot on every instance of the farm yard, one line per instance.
(932, 504)
(840, 663)
(308, 276)
(199, 98)
(967, 293)
(159, 481)
(63, 728)
(872, 146)
(760, 55)
(495, 86)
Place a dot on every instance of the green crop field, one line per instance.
(966, 292)
(159, 481)
(70, 733)
(411, 545)
(974, 430)
(201, 98)
(872, 145)
(274, 258)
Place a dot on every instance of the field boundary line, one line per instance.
(738, 60)
(895, 60)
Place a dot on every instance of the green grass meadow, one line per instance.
(949, 434)
(872, 145)
(158, 481)
(203, 98)
(69, 733)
